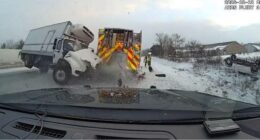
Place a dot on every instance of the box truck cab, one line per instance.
(62, 46)
(71, 58)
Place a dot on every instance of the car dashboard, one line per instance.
(19, 125)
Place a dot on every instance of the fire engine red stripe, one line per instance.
(136, 58)
(104, 52)
(130, 51)
(131, 61)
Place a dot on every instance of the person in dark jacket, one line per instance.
(145, 60)
(149, 59)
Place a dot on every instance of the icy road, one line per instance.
(183, 76)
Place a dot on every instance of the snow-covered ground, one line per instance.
(215, 80)
(219, 81)
(10, 58)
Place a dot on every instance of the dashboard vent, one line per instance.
(49, 132)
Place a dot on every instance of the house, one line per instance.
(156, 50)
(226, 48)
(252, 47)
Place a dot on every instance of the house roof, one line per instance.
(255, 45)
(219, 46)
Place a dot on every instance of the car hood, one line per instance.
(126, 98)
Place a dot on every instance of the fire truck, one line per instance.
(118, 50)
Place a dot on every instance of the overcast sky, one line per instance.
(203, 20)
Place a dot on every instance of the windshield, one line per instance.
(199, 56)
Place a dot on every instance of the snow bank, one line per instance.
(10, 58)
(218, 81)
(214, 80)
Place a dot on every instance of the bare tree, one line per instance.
(20, 44)
(3, 46)
(160, 41)
(193, 44)
(166, 45)
(169, 43)
(159, 38)
(201, 51)
(194, 48)
(10, 44)
(178, 41)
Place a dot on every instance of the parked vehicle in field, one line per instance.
(253, 65)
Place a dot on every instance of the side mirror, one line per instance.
(54, 44)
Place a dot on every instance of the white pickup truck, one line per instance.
(243, 65)
(61, 46)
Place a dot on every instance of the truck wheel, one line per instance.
(27, 62)
(61, 75)
(62, 72)
(229, 62)
(233, 57)
(254, 69)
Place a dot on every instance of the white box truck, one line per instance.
(39, 48)
(60, 45)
